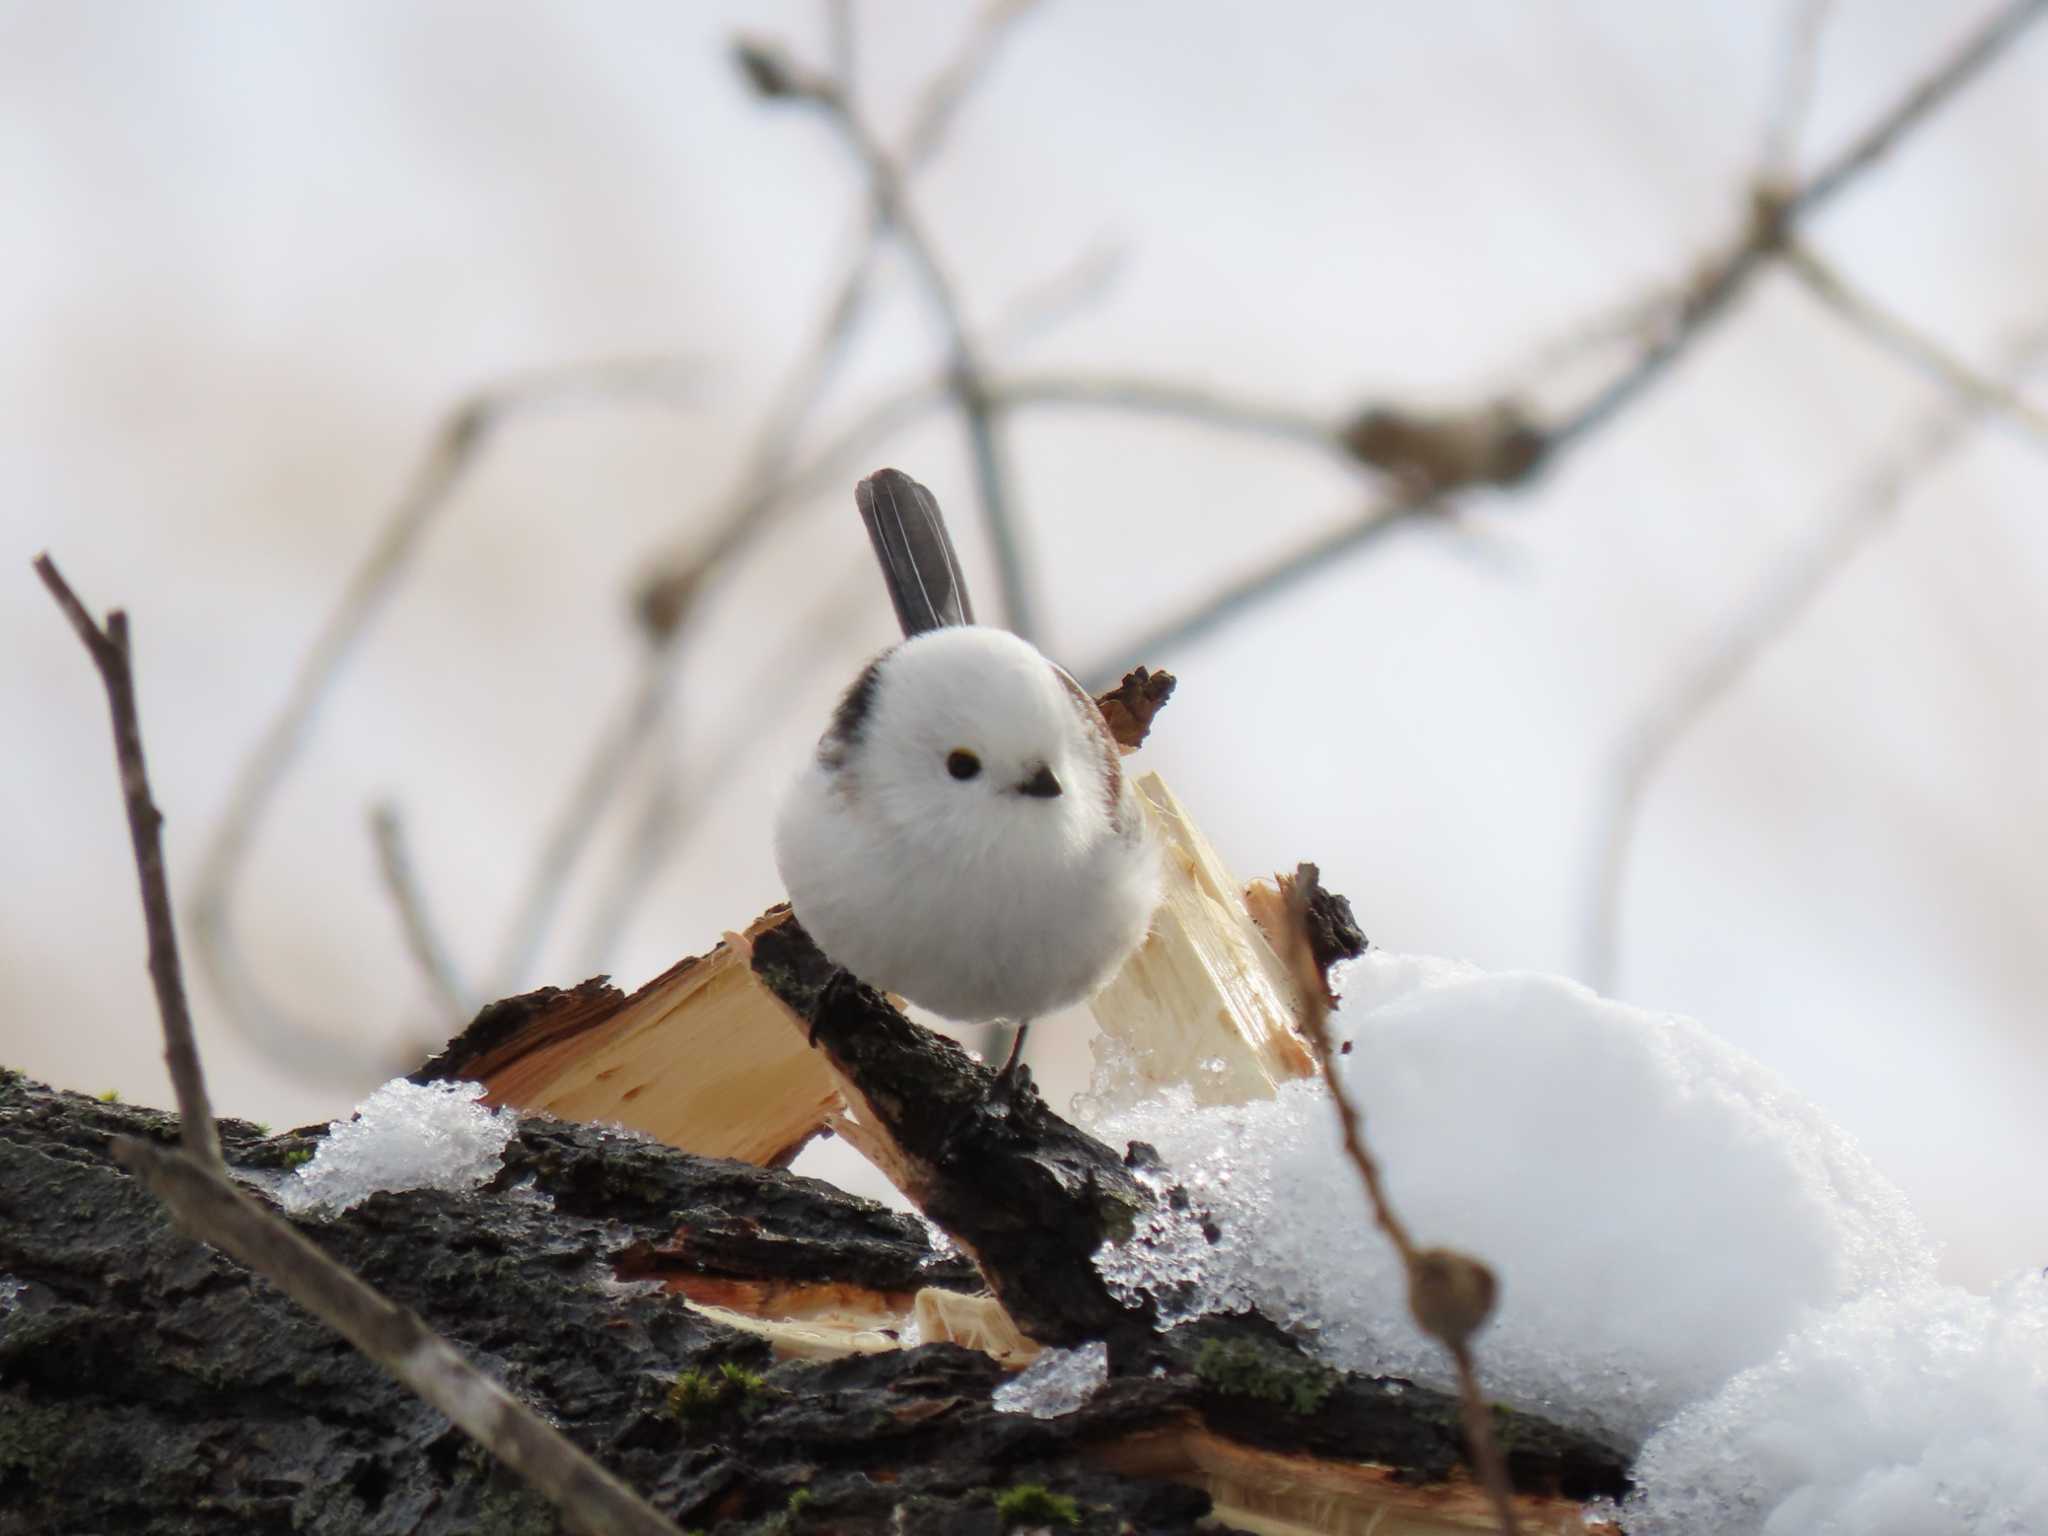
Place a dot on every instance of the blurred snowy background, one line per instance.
(251, 256)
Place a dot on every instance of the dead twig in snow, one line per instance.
(1450, 1294)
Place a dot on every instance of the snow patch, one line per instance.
(404, 1136)
(1661, 1210)
(1921, 1413)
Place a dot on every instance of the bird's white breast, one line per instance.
(964, 898)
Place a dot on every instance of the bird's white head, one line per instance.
(971, 736)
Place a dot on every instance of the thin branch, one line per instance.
(1135, 395)
(1450, 1294)
(613, 754)
(1774, 214)
(1906, 340)
(766, 486)
(1931, 92)
(946, 92)
(1799, 66)
(193, 1182)
(112, 659)
(456, 443)
(676, 583)
(669, 809)
(437, 965)
(968, 375)
(1248, 589)
(1720, 280)
(1786, 597)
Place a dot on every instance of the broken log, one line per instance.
(148, 1384)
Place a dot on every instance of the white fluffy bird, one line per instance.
(964, 836)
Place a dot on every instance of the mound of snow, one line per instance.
(1923, 1413)
(404, 1136)
(1662, 1211)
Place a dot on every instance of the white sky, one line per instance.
(248, 253)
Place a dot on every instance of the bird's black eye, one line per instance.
(962, 764)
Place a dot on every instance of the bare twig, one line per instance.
(670, 807)
(1723, 277)
(1787, 596)
(194, 1185)
(1933, 90)
(1450, 1294)
(1906, 340)
(110, 655)
(948, 90)
(1248, 589)
(394, 862)
(612, 756)
(272, 1028)
(967, 374)
(1184, 402)
(1798, 65)
(766, 485)
(677, 580)
(1717, 283)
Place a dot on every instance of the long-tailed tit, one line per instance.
(964, 836)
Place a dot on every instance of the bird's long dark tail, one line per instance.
(915, 552)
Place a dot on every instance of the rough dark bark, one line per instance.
(1027, 1194)
(148, 1384)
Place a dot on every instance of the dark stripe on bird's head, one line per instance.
(850, 717)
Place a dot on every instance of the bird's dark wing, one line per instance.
(914, 551)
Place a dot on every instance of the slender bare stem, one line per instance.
(968, 375)
(1450, 1294)
(1720, 280)
(1248, 589)
(193, 1182)
(614, 753)
(1901, 337)
(1135, 395)
(110, 654)
(743, 513)
(429, 951)
(1798, 67)
(273, 1028)
(1771, 613)
(671, 806)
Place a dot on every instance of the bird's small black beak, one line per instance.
(1041, 785)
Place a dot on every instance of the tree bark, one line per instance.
(148, 1384)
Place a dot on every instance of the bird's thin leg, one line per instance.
(1016, 1052)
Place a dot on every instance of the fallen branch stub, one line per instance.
(1332, 931)
(1027, 1194)
(1128, 709)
